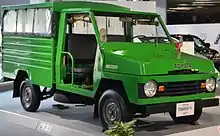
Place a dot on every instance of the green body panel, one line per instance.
(135, 63)
(33, 55)
(131, 63)
(147, 59)
(176, 98)
(59, 68)
(130, 83)
(59, 6)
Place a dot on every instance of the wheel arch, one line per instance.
(116, 85)
(20, 76)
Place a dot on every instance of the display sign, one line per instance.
(188, 47)
(185, 109)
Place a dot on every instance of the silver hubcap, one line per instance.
(27, 96)
(111, 113)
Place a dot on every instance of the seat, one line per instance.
(115, 38)
(82, 48)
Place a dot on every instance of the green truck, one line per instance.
(100, 54)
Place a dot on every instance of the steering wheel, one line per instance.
(140, 37)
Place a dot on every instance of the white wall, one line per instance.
(36, 1)
(209, 32)
(145, 6)
(13, 2)
(161, 8)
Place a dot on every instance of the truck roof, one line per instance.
(58, 6)
(71, 5)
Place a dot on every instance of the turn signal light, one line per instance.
(161, 88)
(203, 85)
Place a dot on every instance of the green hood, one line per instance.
(148, 59)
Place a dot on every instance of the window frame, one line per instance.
(93, 22)
(32, 33)
(2, 21)
(129, 32)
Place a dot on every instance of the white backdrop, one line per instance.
(145, 6)
(209, 32)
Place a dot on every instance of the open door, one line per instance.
(77, 55)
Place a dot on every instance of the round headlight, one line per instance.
(210, 84)
(150, 89)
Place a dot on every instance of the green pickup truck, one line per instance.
(90, 53)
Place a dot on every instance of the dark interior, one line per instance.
(115, 38)
(83, 48)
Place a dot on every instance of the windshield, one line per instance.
(198, 42)
(130, 28)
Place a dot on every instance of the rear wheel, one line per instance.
(112, 108)
(188, 119)
(30, 96)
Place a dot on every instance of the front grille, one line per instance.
(186, 71)
(175, 88)
(181, 88)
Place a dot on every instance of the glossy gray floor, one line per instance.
(77, 121)
(10, 129)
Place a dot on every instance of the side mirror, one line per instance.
(207, 45)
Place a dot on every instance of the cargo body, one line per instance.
(34, 55)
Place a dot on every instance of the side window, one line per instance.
(81, 24)
(21, 21)
(28, 21)
(188, 38)
(10, 21)
(29, 16)
(197, 42)
(112, 27)
(42, 21)
(112, 22)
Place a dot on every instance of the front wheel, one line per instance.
(112, 108)
(30, 96)
(187, 119)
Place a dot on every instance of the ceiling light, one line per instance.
(207, 2)
(183, 4)
(182, 8)
(202, 4)
(199, 7)
(171, 10)
(203, 0)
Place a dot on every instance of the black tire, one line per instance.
(187, 119)
(30, 96)
(121, 109)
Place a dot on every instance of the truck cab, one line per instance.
(93, 55)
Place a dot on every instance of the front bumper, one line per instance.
(171, 107)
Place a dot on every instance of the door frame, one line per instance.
(60, 49)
